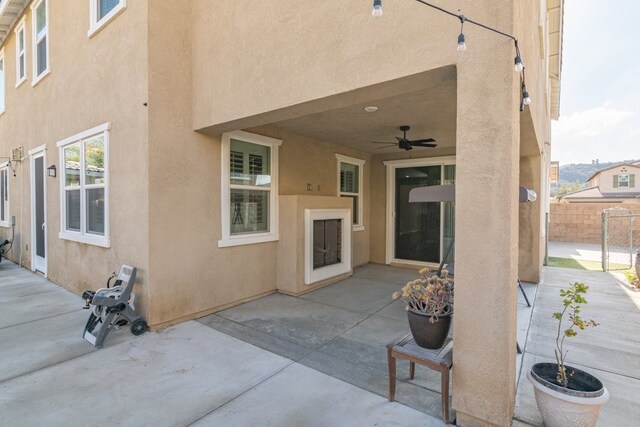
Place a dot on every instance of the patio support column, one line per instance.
(531, 245)
(487, 177)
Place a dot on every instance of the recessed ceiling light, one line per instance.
(370, 109)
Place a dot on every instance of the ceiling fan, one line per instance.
(407, 144)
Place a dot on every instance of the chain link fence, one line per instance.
(619, 242)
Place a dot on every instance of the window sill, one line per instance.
(358, 228)
(97, 26)
(101, 241)
(19, 82)
(247, 240)
(5, 224)
(37, 79)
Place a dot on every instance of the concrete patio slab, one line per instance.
(28, 308)
(386, 274)
(355, 294)
(394, 310)
(49, 341)
(356, 353)
(276, 345)
(584, 251)
(50, 376)
(171, 378)
(302, 322)
(16, 288)
(309, 398)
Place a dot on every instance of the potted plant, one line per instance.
(568, 396)
(429, 305)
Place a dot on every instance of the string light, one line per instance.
(377, 8)
(519, 67)
(462, 46)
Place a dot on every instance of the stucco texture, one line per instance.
(92, 81)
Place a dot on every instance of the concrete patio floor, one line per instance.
(342, 329)
(314, 360)
(188, 374)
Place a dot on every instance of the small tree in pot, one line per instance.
(568, 396)
(429, 305)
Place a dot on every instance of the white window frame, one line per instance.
(82, 236)
(96, 24)
(4, 167)
(260, 237)
(35, 39)
(628, 180)
(358, 226)
(21, 53)
(3, 82)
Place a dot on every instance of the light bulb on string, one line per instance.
(526, 99)
(462, 46)
(377, 9)
(519, 66)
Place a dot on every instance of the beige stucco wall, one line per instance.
(92, 81)
(291, 247)
(531, 221)
(309, 161)
(184, 219)
(337, 48)
(219, 66)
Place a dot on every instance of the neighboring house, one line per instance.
(225, 149)
(617, 184)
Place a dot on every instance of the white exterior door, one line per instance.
(38, 211)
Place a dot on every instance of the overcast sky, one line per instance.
(600, 86)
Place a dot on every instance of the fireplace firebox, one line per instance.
(327, 242)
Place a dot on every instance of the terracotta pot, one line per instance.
(576, 406)
(427, 334)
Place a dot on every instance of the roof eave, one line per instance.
(10, 11)
(555, 13)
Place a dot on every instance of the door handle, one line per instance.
(43, 226)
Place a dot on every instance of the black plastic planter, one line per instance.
(581, 383)
(427, 334)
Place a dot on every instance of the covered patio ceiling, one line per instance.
(426, 101)
(430, 112)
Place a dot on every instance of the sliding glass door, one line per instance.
(422, 233)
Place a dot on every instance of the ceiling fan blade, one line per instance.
(424, 144)
(387, 146)
(423, 140)
(384, 142)
(399, 139)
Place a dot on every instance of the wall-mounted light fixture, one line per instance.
(51, 171)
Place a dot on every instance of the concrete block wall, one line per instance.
(582, 222)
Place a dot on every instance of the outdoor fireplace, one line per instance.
(327, 244)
